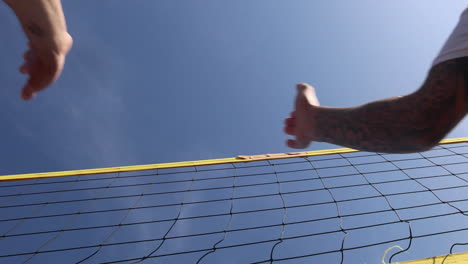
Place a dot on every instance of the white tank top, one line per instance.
(457, 44)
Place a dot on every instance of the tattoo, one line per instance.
(35, 29)
(411, 123)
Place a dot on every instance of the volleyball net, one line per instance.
(333, 206)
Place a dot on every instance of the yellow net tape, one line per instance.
(458, 258)
(240, 158)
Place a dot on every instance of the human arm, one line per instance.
(410, 123)
(44, 24)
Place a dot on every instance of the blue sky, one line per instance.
(159, 81)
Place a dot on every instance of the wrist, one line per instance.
(59, 43)
(43, 22)
(316, 115)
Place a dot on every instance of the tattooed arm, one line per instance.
(49, 42)
(411, 123)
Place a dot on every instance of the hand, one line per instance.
(301, 122)
(43, 64)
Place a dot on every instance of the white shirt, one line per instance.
(457, 44)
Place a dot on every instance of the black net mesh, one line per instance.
(338, 208)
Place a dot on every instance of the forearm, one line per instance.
(410, 123)
(43, 21)
(374, 127)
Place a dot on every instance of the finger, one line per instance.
(301, 87)
(290, 121)
(23, 69)
(41, 75)
(37, 81)
(28, 55)
(290, 130)
(28, 60)
(27, 93)
(290, 126)
(297, 144)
